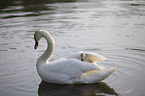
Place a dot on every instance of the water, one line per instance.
(113, 28)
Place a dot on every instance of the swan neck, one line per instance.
(50, 48)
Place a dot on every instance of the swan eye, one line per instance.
(82, 59)
(82, 56)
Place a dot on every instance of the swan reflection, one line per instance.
(51, 89)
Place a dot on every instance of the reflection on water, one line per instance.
(98, 89)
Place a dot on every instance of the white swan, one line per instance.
(77, 68)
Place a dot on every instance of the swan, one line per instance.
(77, 68)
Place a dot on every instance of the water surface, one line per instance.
(113, 28)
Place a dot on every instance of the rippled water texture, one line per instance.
(113, 28)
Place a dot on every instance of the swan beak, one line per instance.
(36, 44)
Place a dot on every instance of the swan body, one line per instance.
(77, 68)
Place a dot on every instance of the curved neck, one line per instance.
(50, 47)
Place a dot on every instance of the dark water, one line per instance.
(113, 28)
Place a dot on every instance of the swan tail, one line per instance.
(94, 76)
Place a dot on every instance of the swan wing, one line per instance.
(65, 70)
(72, 67)
(94, 76)
(94, 57)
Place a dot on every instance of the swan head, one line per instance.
(87, 57)
(37, 37)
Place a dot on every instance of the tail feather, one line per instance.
(95, 76)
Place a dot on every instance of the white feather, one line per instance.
(79, 67)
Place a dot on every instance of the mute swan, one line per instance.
(76, 68)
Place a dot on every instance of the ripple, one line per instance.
(3, 50)
(13, 48)
(135, 49)
(90, 25)
(137, 4)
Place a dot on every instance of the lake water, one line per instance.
(113, 28)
